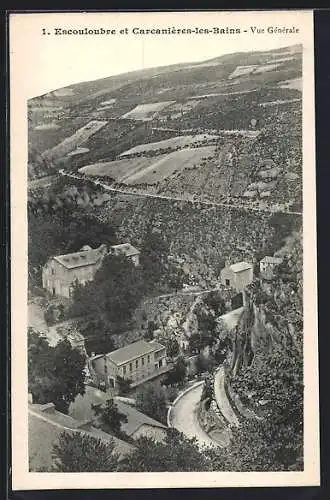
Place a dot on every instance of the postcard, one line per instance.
(163, 222)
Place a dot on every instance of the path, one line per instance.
(174, 198)
(183, 416)
(222, 399)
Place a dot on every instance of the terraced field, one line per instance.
(117, 169)
(147, 111)
(149, 170)
(173, 143)
(75, 140)
(167, 165)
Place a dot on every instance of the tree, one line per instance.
(203, 364)
(79, 452)
(114, 293)
(154, 252)
(96, 333)
(109, 416)
(151, 400)
(214, 301)
(205, 336)
(172, 347)
(55, 374)
(176, 454)
(151, 327)
(273, 388)
(177, 374)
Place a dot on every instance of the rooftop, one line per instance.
(240, 266)
(85, 257)
(125, 248)
(135, 419)
(45, 428)
(272, 260)
(131, 351)
(156, 345)
(81, 410)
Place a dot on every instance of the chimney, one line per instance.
(30, 398)
(92, 354)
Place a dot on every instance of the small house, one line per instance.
(128, 250)
(269, 263)
(237, 276)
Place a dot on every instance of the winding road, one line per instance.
(106, 187)
(183, 416)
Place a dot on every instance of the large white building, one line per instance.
(137, 362)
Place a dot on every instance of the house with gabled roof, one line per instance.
(128, 250)
(61, 272)
(237, 276)
(138, 362)
(45, 426)
(268, 265)
(138, 424)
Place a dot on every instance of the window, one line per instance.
(137, 363)
(130, 367)
(148, 358)
(53, 270)
(228, 282)
(160, 363)
(124, 370)
(142, 361)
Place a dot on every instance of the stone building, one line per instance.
(137, 362)
(128, 250)
(268, 265)
(237, 276)
(61, 272)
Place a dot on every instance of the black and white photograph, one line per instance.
(166, 185)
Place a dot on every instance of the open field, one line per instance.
(75, 140)
(149, 170)
(47, 126)
(167, 165)
(173, 143)
(294, 83)
(147, 111)
(266, 67)
(117, 169)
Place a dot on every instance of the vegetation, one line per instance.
(178, 374)
(177, 453)
(55, 374)
(111, 297)
(270, 382)
(78, 452)
(57, 227)
(151, 400)
(110, 417)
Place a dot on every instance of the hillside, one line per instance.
(249, 101)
